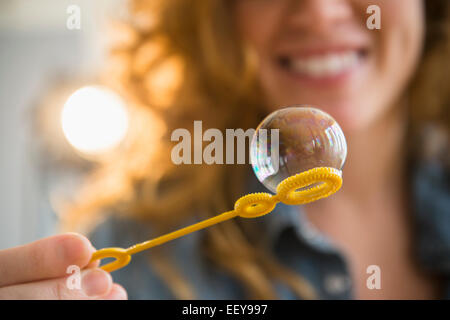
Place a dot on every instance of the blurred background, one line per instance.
(42, 64)
(52, 111)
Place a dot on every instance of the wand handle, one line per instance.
(314, 184)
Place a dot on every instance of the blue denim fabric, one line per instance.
(296, 243)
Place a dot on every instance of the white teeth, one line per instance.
(325, 65)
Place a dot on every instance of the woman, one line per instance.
(230, 63)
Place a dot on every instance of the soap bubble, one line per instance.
(306, 138)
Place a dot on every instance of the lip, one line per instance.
(309, 44)
(321, 48)
(324, 80)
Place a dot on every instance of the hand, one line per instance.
(38, 270)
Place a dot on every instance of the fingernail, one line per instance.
(96, 282)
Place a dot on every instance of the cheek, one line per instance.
(257, 23)
(398, 46)
(402, 30)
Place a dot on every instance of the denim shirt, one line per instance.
(295, 242)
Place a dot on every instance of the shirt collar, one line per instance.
(284, 217)
(431, 203)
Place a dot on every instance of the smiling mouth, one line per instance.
(324, 65)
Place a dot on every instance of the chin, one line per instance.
(348, 116)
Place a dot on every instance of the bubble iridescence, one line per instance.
(307, 138)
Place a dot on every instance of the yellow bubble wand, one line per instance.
(302, 188)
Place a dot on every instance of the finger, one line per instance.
(94, 283)
(93, 264)
(117, 293)
(44, 259)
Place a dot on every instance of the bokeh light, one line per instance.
(94, 120)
